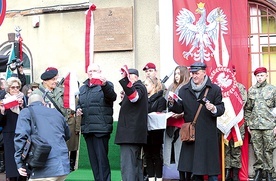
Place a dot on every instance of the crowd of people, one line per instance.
(144, 151)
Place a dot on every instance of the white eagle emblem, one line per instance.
(201, 35)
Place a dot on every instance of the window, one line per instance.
(262, 41)
(5, 49)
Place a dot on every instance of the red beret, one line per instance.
(149, 66)
(260, 70)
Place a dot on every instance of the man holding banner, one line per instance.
(261, 123)
(233, 147)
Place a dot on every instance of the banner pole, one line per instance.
(222, 159)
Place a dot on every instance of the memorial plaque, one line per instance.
(113, 29)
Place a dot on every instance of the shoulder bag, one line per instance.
(36, 149)
(187, 131)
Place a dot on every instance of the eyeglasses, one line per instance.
(14, 87)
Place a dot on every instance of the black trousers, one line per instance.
(154, 160)
(97, 147)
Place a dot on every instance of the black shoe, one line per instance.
(258, 175)
(72, 165)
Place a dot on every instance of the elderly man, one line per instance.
(202, 156)
(261, 123)
(50, 125)
(48, 89)
(95, 105)
(132, 129)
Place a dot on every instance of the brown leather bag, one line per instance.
(187, 131)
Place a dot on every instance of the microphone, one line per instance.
(167, 77)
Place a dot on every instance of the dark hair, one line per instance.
(25, 89)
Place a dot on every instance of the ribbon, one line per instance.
(89, 36)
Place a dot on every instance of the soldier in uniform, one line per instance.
(261, 123)
(232, 152)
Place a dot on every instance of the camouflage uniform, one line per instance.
(233, 154)
(260, 120)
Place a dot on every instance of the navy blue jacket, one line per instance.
(96, 103)
(52, 126)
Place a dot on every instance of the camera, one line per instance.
(203, 101)
(15, 63)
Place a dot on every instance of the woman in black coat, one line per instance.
(8, 119)
(153, 148)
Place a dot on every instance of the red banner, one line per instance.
(196, 28)
(215, 32)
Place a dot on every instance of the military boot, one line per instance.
(236, 174)
(269, 176)
(228, 176)
(72, 165)
(258, 175)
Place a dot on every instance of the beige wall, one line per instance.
(59, 41)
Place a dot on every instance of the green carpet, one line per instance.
(84, 171)
(86, 175)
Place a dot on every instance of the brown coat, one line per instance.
(74, 125)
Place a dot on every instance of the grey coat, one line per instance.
(52, 126)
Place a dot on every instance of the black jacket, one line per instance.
(132, 123)
(157, 103)
(96, 103)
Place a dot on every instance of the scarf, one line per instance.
(198, 88)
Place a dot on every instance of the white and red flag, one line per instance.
(89, 36)
(10, 102)
(174, 96)
(70, 91)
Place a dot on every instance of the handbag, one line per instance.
(187, 130)
(36, 149)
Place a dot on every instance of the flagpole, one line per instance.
(222, 159)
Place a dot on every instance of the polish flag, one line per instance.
(124, 69)
(89, 36)
(95, 80)
(174, 96)
(70, 91)
(10, 102)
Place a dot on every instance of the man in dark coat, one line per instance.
(202, 156)
(95, 105)
(132, 125)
